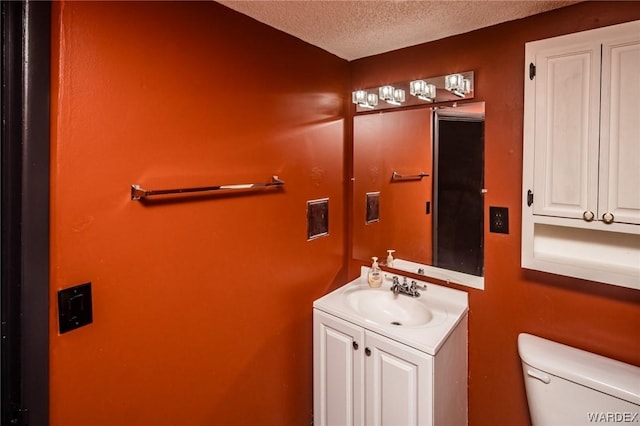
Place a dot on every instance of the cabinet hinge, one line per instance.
(19, 417)
(532, 71)
(529, 198)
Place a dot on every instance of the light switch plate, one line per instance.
(74, 307)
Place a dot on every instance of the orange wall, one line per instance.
(202, 308)
(596, 317)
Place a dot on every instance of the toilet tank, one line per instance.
(568, 386)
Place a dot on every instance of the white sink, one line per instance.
(383, 307)
(422, 322)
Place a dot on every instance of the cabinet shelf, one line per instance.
(616, 227)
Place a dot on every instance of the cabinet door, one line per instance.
(566, 129)
(338, 371)
(399, 384)
(620, 134)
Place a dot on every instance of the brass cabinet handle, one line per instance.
(607, 217)
(588, 215)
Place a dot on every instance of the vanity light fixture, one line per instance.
(457, 84)
(423, 90)
(412, 93)
(392, 95)
(364, 99)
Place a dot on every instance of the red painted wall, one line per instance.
(596, 317)
(384, 143)
(202, 307)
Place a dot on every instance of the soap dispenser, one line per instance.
(390, 258)
(375, 275)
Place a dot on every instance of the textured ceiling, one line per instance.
(356, 29)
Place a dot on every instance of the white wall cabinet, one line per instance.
(363, 378)
(581, 178)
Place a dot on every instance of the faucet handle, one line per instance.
(414, 285)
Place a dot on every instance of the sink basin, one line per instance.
(422, 322)
(383, 307)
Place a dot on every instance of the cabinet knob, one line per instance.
(367, 351)
(355, 345)
(607, 217)
(588, 215)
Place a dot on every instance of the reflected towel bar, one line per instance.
(137, 193)
(397, 176)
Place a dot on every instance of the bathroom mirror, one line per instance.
(432, 216)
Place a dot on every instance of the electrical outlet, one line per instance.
(499, 220)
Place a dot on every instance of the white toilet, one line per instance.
(567, 386)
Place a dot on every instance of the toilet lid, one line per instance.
(587, 369)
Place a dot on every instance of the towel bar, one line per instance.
(138, 193)
(397, 176)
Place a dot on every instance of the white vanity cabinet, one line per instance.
(338, 371)
(581, 174)
(364, 378)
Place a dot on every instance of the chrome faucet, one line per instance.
(395, 286)
(405, 288)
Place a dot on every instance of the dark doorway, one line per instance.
(459, 207)
(24, 208)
